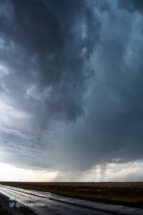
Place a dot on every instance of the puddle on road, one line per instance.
(50, 201)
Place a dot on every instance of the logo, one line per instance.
(11, 198)
(11, 204)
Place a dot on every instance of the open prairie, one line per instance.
(118, 192)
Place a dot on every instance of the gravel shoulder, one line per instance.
(3, 211)
(4, 201)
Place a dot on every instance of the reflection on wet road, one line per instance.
(44, 203)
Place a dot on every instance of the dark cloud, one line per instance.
(51, 41)
(71, 83)
(131, 5)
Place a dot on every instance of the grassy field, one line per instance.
(125, 193)
(3, 211)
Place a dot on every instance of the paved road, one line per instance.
(44, 203)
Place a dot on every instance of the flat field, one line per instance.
(130, 193)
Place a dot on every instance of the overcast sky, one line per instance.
(71, 86)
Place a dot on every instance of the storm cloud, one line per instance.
(71, 83)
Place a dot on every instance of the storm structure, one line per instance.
(71, 86)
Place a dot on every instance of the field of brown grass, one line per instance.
(124, 192)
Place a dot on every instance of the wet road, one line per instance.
(44, 203)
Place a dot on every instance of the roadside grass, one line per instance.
(120, 193)
(3, 211)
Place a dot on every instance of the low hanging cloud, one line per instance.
(112, 172)
(70, 83)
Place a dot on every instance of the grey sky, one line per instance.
(71, 83)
